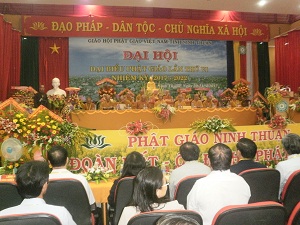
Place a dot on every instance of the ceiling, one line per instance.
(274, 11)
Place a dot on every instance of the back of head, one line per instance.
(189, 151)
(175, 219)
(146, 184)
(57, 156)
(220, 156)
(30, 178)
(291, 143)
(247, 148)
(133, 164)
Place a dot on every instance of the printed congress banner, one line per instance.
(48, 26)
(173, 63)
(109, 148)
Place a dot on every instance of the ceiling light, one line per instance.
(261, 3)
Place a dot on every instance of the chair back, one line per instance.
(261, 213)
(264, 184)
(290, 195)
(9, 196)
(29, 219)
(123, 194)
(150, 218)
(184, 186)
(71, 194)
(294, 218)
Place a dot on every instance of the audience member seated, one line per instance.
(160, 100)
(190, 154)
(245, 150)
(180, 102)
(218, 189)
(196, 103)
(56, 90)
(142, 103)
(234, 102)
(133, 164)
(153, 98)
(149, 192)
(32, 182)
(58, 158)
(291, 146)
(174, 219)
(89, 105)
(40, 98)
(107, 103)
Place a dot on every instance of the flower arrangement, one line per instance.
(295, 106)
(258, 104)
(212, 125)
(74, 100)
(242, 91)
(137, 128)
(164, 111)
(107, 90)
(11, 167)
(278, 122)
(273, 95)
(97, 173)
(56, 101)
(13, 124)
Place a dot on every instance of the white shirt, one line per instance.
(131, 211)
(187, 169)
(215, 191)
(38, 205)
(286, 168)
(64, 173)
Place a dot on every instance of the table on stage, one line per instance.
(115, 119)
(100, 191)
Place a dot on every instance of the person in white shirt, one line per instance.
(149, 193)
(58, 158)
(189, 152)
(218, 189)
(291, 146)
(32, 182)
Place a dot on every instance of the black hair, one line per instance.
(247, 147)
(57, 156)
(133, 164)
(220, 156)
(31, 177)
(146, 184)
(189, 151)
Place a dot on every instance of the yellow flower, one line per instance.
(43, 124)
(10, 167)
(54, 132)
(15, 135)
(54, 127)
(39, 119)
(15, 120)
(38, 129)
(48, 126)
(28, 132)
(33, 126)
(21, 120)
(20, 131)
(46, 117)
(18, 115)
(24, 128)
(16, 164)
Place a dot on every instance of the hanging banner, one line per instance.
(142, 28)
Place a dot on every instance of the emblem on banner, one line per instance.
(95, 142)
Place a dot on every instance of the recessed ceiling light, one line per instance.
(261, 3)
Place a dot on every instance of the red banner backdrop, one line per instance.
(143, 28)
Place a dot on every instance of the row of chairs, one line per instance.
(263, 182)
(69, 193)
